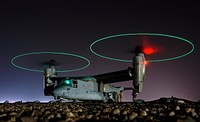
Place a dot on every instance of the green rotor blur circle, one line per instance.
(55, 53)
(143, 34)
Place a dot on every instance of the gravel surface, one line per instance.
(93, 111)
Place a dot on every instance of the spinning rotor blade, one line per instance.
(51, 62)
(150, 47)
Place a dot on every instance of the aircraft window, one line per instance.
(74, 84)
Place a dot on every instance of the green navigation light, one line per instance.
(67, 82)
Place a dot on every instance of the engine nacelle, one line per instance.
(139, 72)
(48, 83)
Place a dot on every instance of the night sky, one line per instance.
(72, 26)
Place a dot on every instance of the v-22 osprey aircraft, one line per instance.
(97, 87)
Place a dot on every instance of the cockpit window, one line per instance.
(74, 84)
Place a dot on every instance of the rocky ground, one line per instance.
(162, 110)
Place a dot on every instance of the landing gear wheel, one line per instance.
(115, 97)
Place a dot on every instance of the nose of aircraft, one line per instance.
(58, 91)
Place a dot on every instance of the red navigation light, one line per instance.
(149, 50)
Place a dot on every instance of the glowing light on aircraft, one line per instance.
(149, 50)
